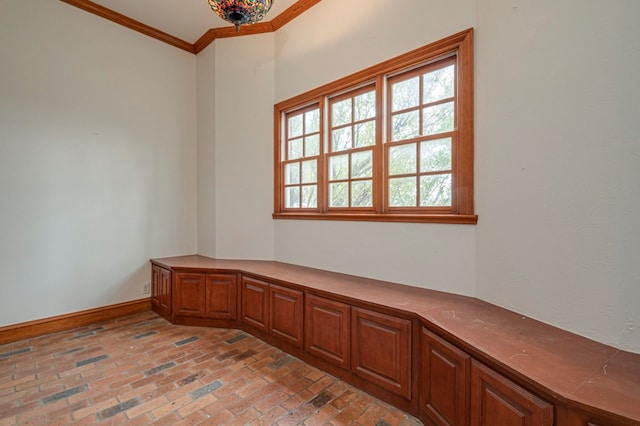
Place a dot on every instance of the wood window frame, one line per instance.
(459, 46)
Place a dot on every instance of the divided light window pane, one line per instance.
(435, 155)
(439, 84)
(341, 113)
(362, 164)
(361, 193)
(435, 190)
(402, 159)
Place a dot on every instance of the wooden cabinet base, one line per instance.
(444, 358)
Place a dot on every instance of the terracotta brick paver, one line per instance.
(142, 370)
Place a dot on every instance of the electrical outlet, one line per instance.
(146, 288)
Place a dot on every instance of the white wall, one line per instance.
(97, 159)
(244, 76)
(332, 40)
(558, 163)
(206, 63)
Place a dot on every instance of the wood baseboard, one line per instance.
(26, 330)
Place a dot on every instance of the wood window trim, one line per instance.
(460, 45)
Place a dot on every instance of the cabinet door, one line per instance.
(189, 294)
(444, 389)
(164, 292)
(161, 290)
(286, 314)
(381, 350)
(155, 286)
(220, 296)
(255, 303)
(496, 400)
(327, 326)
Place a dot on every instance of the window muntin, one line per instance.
(390, 143)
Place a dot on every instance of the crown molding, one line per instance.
(224, 32)
(295, 10)
(291, 13)
(130, 23)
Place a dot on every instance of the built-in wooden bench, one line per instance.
(445, 358)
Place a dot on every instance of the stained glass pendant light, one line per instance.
(240, 12)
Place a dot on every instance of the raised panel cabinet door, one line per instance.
(255, 303)
(155, 286)
(444, 387)
(496, 400)
(286, 314)
(327, 329)
(189, 294)
(164, 292)
(220, 296)
(381, 350)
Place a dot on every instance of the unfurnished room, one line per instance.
(320, 212)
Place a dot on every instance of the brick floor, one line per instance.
(142, 370)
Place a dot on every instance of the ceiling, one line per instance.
(187, 20)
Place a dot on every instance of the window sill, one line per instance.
(368, 217)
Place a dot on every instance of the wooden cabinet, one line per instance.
(286, 314)
(496, 400)
(161, 290)
(381, 350)
(327, 330)
(444, 385)
(255, 303)
(273, 309)
(204, 295)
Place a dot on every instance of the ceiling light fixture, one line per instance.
(240, 12)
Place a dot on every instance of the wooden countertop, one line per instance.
(571, 368)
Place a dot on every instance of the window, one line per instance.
(391, 143)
